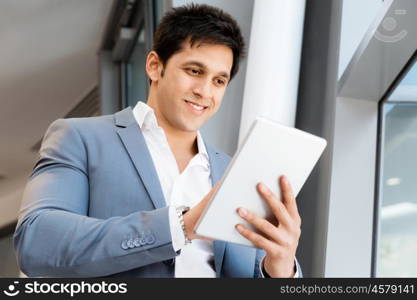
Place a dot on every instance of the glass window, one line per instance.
(397, 238)
(136, 80)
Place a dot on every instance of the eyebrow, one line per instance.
(203, 66)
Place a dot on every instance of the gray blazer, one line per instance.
(93, 206)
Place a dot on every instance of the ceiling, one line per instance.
(48, 63)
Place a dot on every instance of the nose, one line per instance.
(202, 89)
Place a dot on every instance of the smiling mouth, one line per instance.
(196, 106)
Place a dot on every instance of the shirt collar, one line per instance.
(145, 117)
(201, 146)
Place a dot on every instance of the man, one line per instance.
(109, 195)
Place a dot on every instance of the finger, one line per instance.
(289, 199)
(216, 186)
(210, 194)
(268, 229)
(278, 208)
(214, 189)
(258, 240)
(201, 237)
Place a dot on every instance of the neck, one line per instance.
(180, 141)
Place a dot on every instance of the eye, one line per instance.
(220, 82)
(193, 71)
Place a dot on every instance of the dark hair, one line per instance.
(198, 23)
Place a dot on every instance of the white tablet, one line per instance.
(268, 151)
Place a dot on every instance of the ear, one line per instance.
(153, 66)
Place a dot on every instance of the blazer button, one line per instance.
(150, 239)
(136, 242)
(130, 244)
(142, 240)
(124, 245)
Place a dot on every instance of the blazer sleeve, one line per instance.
(54, 235)
(258, 268)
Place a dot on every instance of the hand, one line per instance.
(279, 241)
(191, 217)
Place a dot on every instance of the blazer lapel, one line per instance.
(217, 168)
(134, 142)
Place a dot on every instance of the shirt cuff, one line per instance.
(265, 275)
(177, 234)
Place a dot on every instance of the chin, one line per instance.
(190, 127)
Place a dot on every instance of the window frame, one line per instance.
(350, 250)
(380, 155)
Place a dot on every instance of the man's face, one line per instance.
(192, 86)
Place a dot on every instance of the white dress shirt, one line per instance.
(187, 188)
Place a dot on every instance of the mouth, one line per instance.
(196, 107)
